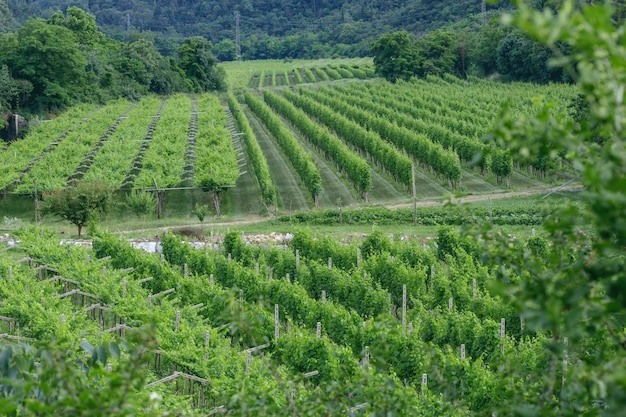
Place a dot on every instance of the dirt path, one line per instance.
(422, 203)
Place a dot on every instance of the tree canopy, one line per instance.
(48, 65)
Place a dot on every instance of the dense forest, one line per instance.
(268, 28)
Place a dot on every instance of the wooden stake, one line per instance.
(211, 281)
(358, 258)
(414, 194)
(276, 323)
(474, 290)
(502, 332)
(462, 351)
(185, 270)
(124, 287)
(404, 306)
(207, 339)
(177, 319)
(450, 304)
(323, 296)
(330, 263)
(297, 259)
(318, 331)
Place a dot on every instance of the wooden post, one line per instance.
(330, 263)
(37, 214)
(521, 323)
(410, 328)
(104, 270)
(424, 383)
(474, 290)
(211, 280)
(185, 270)
(463, 351)
(393, 259)
(177, 319)
(404, 306)
(502, 333)
(565, 342)
(358, 258)
(62, 318)
(230, 257)
(248, 360)
(240, 299)
(88, 260)
(276, 323)
(288, 277)
(323, 296)
(157, 196)
(414, 194)
(124, 287)
(450, 304)
(297, 259)
(366, 357)
(318, 331)
(207, 339)
(256, 269)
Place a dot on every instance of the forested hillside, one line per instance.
(269, 28)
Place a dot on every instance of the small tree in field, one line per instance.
(80, 203)
(201, 211)
(140, 203)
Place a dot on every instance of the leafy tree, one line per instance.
(396, 56)
(199, 64)
(575, 288)
(7, 23)
(81, 23)
(79, 204)
(438, 53)
(225, 50)
(49, 58)
(140, 203)
(201, 211)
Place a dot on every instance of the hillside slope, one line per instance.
(347, 22)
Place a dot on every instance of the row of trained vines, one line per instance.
(430, 155)
(254, 152)
(298, 156)
(348, 162)
(389, 326)
(216, 159)
(125, 145)
(290, 77)
(388, 157)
